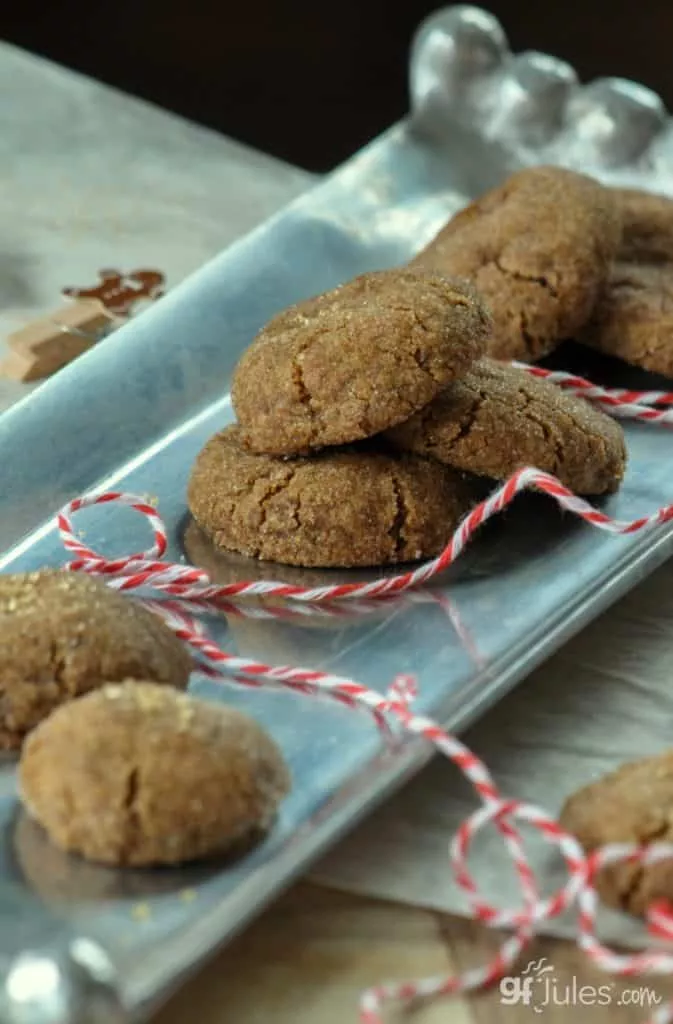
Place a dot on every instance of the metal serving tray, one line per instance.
(133, 413)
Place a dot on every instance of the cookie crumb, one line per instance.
(141, 912)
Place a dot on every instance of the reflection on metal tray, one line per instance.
(134, 412)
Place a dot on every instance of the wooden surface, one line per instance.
(75, 162)
(309, 957)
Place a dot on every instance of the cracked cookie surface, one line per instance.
(633, 804)
(499, 418)
(340, 508)
(140, 774)
(347, 364)
(538, 249)
(633, 319)
(63, 634)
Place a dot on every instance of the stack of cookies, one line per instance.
(367, 415)
(306, 478)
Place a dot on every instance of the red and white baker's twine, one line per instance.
(619, 402)
(190, 593)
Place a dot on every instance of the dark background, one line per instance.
(312, 81)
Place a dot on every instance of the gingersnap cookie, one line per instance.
(338, 508)
(631, 805)
(63, 634)
(141, 774)
(647, 225)
(538, 249)
(498, 418)
(633, 319)
(347, 364)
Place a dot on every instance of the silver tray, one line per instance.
(132, 413)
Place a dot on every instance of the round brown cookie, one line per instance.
(631, 805)
(63, 634)
(633, 319)
(140, 774)
(498, 419)
(538, 249)
(347, 364)
(647, 225)
(339, 508)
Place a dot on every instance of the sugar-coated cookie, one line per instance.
(140, 774)
(63, 634)
(347, 364)
(633, 319)
(538, 249)
(498, 418)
